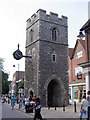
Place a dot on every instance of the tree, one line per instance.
(5, 83)
(1, 64)
(3, 79)
(21, 84)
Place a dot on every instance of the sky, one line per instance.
(13, 17)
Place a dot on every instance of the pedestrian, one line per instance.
(84, 108)
(17, 99)
(26, 103)
(30, 98)
(88, 99)
(2, 99)
(8, 99)
(21, 103)
(13, 102)
(34, 97)
(37, 109)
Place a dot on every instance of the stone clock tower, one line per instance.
(47, 43)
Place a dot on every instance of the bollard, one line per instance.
(63, 107)
(48, 108)
(75, 106)
(19, 105)
(55, 108)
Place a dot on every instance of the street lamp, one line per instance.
(81, 35)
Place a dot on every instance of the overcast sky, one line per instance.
(13, 16)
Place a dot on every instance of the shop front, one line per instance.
(76, 91)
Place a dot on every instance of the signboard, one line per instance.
(17, 54)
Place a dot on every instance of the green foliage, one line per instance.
(21, 84)
(5, 83)
(4, 78)
(1, 64)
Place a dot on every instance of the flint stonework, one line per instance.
(46, 74)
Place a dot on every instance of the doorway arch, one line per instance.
(30, 93)
(53, 93)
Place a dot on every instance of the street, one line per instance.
(47, 114)
(7, 112)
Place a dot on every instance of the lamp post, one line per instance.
(18, 55)
(17, 79)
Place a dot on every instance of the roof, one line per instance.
(86, 25)
(82, 43)
(71, 52)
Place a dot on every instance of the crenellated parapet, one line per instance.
(47, 43)
(52, 18)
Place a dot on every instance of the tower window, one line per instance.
(31, 35)
(53, 57)
(54, 35)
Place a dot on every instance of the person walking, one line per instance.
(88, 99)
(37, 110)
(21, 103)
(13, 102)
(84, 107)
(26, 103)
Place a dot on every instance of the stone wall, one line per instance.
(43, 71)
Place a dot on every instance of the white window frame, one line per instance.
(79, 54)
(77, 70)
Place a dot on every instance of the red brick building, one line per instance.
(17, 76)
(76, 75)
(78, 56)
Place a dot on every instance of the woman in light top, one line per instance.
(88, 99)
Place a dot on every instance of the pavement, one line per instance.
(0, 110)
(56, 113)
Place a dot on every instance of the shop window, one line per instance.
(76, 94)
(78, 70)
(79, 75)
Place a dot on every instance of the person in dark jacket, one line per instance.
(37, 109)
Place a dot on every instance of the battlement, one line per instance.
(41, 15)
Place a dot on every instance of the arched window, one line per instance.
(54, 34)
(31, 35)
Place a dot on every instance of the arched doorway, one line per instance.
(53, 93)
(31, 93)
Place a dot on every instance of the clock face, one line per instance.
(17, 55)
